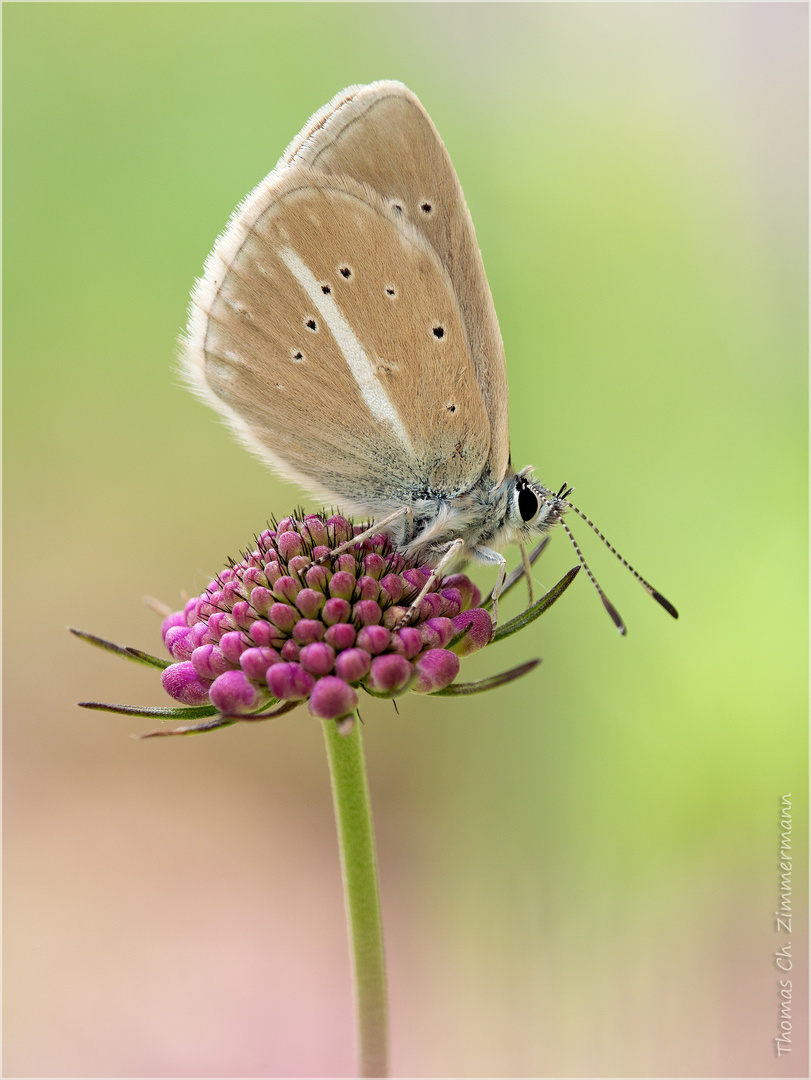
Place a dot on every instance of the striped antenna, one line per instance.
(562, 495)
(609, 607)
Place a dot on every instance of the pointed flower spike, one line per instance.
(190, 729)
(121, 650)
(163, 713)
(147, 658)
(538, 608)
(463, 689)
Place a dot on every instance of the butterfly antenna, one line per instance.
(649, 589)
(609, 607)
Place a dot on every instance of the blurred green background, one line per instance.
(579, 872)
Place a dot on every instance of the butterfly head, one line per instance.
(532, 508)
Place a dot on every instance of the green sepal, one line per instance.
(191, 712)
(462, 689)
(537, 609)
(148, 659)
(223, 720)
(190, 729)
(121, 650)
(285, 707)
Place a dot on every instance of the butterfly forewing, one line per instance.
(327, 330)
(382, 136)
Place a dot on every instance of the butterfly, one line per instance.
(345, 329)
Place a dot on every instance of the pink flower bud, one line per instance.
(309, 602)
(289, 682)
(479, 628)
(298, 564)
(284, 616)
(253, 578)
(436, 633)
(415, 578)
(255, 663)
(261, 599)
(183, 683)
(315, 529)
(336, 610)
(231, 594)
(289, 544)
(233, 645)
(407, 642)
(177, 619)
(290, 650)
(431, 606)
(339, 529)
(470, 593)
(340, 636)
(452, 602)
(217, 625)
(177, 642)
(392, 586)
(332, 698)
(389, 673)
(306, 631)
(209, 661)
(367, 588)
(233, 693)
(266, 635)
(374, 639)
(374, 566)
(342, 585)
(199, 634)
(273, 572)
(317, 578)
(352, 664)
(393, 616)
(367, 612)
(243, 614)
(318, 659)
(436, 669)
(286, 589)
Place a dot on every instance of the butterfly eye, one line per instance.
(527, 503)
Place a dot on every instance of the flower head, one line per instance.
(310, 616)
(292, 622)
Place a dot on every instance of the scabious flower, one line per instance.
(308, 616)
(286, 623)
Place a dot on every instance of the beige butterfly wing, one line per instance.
(381, 135)
(328, 330)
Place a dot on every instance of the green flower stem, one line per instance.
(353, 815)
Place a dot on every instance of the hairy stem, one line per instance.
(353, 817)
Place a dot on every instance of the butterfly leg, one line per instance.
(489, 556)
(373, 530)
(527, 568)
(414, 607)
